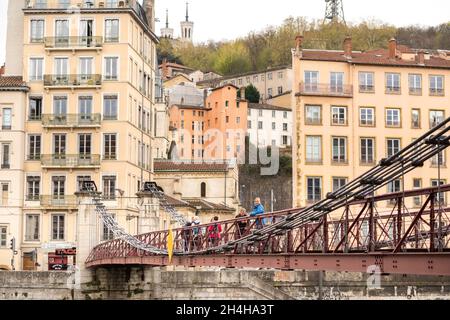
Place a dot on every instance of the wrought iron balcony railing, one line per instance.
(58, 201)
(73, 5)
(72, 80)
(73, 42)
(326, 89)
(70, 161)
(71, 120)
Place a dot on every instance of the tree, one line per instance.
(252, 94)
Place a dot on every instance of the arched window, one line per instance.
(203, 190)
(189, 33)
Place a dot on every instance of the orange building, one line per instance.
(215, 131)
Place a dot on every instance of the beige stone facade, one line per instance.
(90, 114)
(352, 109)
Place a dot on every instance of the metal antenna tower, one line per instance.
(334, 11)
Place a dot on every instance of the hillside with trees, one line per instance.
(272, 46)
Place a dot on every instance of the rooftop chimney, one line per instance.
(243, 93)
(299, 43)
(348, 47)
(392, 48)
(205, 96)
(421, 56)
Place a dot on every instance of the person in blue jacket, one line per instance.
(258, 209)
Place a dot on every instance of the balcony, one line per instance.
(83, 5)
(366, 88)
(73, 43)
(73, 81)
(58, 161)
(71, 120)
(326, 90)
(58, 202)
(438, 92)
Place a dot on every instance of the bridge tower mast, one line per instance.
(334, 11)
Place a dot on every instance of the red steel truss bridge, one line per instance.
(349, 230)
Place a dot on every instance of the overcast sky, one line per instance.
(219, 20)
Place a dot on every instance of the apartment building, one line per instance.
(13, 94)
(269, 125)
(270, 83)
(89, 114)
(354, 108)
(215, 130)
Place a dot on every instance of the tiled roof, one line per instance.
(208, 206)
(183, 106)
(13, 84)
(376, 57)
(175, 202)
(226, 85)
(266, 106)
(175, 65)
(171, 166)
(246, 74)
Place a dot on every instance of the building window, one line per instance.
(338, 183)
(110, 146)
(58, 227)
(81, 180)
(59, 187)
(366, 82)
(269, 76)
(111, 68)
(109, 187)
(314, 189)
(6, 119)
(112, 30)
(255, 79)
(436, 85)
(367, 150)
(415, 119)
(36, 69)
(227, 119)
(110, 107)
(280, 90)
(311, 81)
(285, 114)
(270, 92)
(84, 146)
(240, 82)
(37, 31)
(107, 233)
(33, 188)
(35, 108)
(439, 159)
(393, 83)
(3, 236)
(417, 184)
(394, 187)
(313, 115)
(393, 146)
(5, 193)
(285, 140)
(436, 118)
(260, 125)
(441, 196)
(415, 84)
(367, 117)
(34, 147)
(313, 149)
(280, 75)
(339, 116)
(249, 124)
(32, 227)
(339, 150)
(337, 82)
(274, 126)
(238, 120)
(393, 118)
(285, 127)
(274, 113)
(260, 113)
(5, 155)
(203, 190)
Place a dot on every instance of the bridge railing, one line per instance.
(361, 227)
